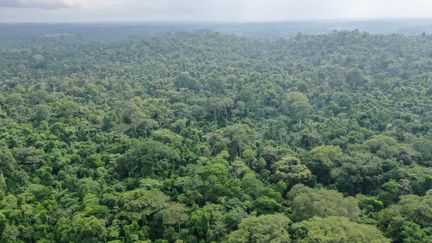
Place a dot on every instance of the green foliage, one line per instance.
(266, 205)
(81, 229)
(265, 228)
(307, 203)
(409, 220)
(321, 160)
(337, 229)
(205, 137)
(139, 203)
(291, 171)
(208, 223)
(148, 158)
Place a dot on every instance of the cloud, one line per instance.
(42, 4)
(207, 10)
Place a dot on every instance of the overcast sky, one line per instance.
(208, 10)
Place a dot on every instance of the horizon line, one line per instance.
(180, 21)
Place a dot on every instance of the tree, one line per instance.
(418, 178)
(216, 183)
(207, 223)
(355, 78)
(41, 113)
(81, 229)
(148, 158)
(307, 203)
(139, 204)
(360, 172)
(336, 229)
(264, 228)
(185, 80)
(38, 61)
(240, 138)
(424, 146)
(7, 167)
(167, 136)
(291, 171)
(297, 105)
(390, 191)
(266, 205)
(175, 214)
(10, 233)
(409, 220)
(321, 160)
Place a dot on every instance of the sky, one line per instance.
(208, 10)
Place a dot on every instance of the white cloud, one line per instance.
(43, 4)
(211, 10)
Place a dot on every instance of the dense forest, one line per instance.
(208, 137)
(115, 31)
